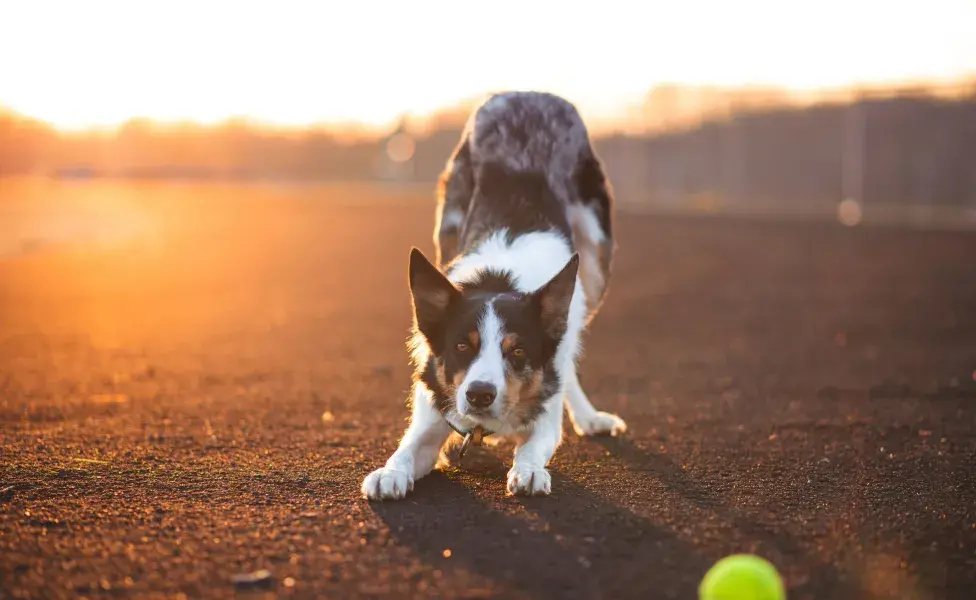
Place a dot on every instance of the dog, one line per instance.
(524, 250)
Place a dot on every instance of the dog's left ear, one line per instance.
(553, 299)
(432, 293)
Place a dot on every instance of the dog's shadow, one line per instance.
(574, 543)
(821, 578)
(571, 544)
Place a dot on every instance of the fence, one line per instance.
(907, 155)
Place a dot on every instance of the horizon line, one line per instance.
(605, 121)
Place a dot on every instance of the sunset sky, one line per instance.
(99, 62)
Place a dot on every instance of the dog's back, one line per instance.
(530, 131)
(525, 163)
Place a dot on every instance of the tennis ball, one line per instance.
(742, 577)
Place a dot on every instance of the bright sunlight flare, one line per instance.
(82, 64)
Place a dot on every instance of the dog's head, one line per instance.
(491, 351)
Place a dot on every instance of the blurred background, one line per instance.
(858, 111)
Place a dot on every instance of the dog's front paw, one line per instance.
(529, 481)
(601, 423)
(387, 484)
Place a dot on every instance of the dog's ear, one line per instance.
(432, 294)
(553, 299)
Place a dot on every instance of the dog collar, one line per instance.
(475, 435)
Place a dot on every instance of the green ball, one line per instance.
(742, 577)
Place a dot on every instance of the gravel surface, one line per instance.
(190, 413)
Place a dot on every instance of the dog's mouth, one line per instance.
(474, 412)
(484, 417)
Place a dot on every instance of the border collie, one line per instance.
(524, 249)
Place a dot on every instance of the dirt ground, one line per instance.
(203, 401)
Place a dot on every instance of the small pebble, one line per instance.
(259, 577)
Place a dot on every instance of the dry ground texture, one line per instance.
(203, 398)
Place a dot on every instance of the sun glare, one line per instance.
(103, 62)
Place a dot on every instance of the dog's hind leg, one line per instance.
(454, 190)
(586, 419)
(591, 220)
(416, 455)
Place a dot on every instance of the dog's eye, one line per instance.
(518, 352)
(462, 347)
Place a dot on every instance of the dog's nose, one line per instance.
(481, 394)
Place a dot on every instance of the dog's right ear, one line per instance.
(432, 293)
(554, 298)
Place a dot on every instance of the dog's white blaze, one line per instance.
(550, 252)
(489, 365)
